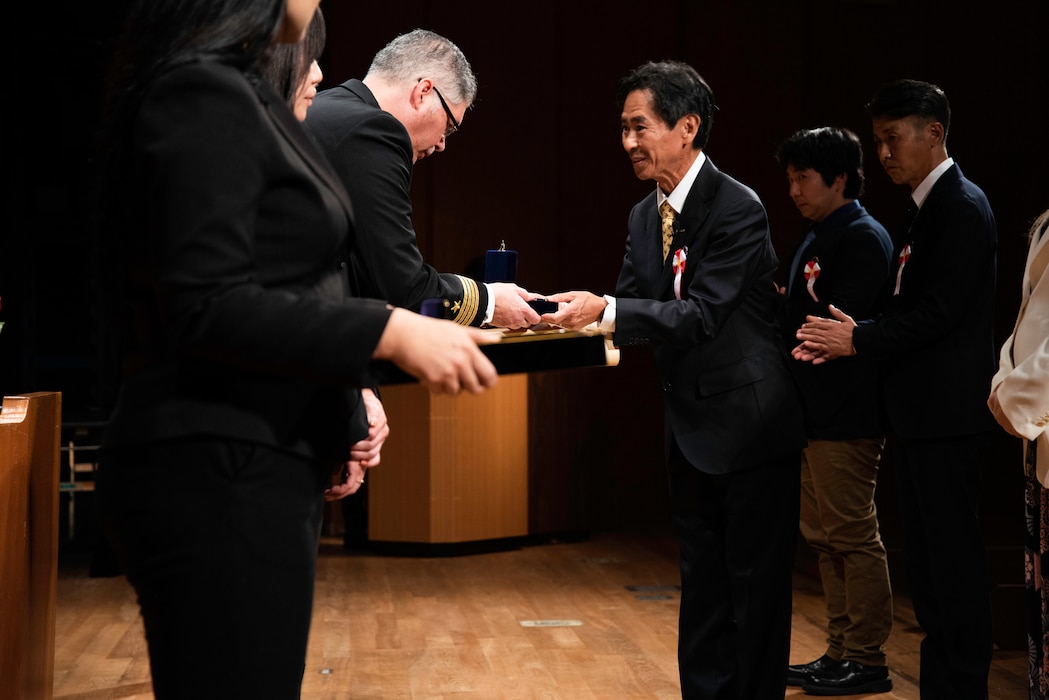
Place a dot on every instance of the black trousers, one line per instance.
(939, 483)
(737, 535)
(219, 540)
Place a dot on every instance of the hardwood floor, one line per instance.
(589, 620)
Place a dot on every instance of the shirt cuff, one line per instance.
(490, 310)
(608, 319)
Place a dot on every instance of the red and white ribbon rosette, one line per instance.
(678, 265)
(812, 271)
(905, 255)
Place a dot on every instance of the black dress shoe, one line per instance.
(801, 674)
(850, 678)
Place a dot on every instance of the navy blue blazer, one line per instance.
(372, 153)
(854, 253)
(936, 337)
(730, 401)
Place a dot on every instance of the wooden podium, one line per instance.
(30, 428)
(454, 469)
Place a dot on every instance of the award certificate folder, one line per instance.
(538, 349)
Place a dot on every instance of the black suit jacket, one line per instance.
(372, 153)
(239, 321)
(854, 253)
(730, 401)
(936, 338)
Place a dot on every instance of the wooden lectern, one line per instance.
(30, 428)
(455, 469)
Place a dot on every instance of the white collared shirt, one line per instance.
(680, 194)
(677, 202)
(921, 192)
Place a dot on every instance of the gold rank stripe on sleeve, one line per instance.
(465, 311)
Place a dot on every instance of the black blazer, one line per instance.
(936, 338)
(730, 401)
(240, 325)
(372, 153)
(854, 253)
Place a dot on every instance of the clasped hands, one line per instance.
(365, 454)
(824, 339)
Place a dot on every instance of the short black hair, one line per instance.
(677, 90)
(899, 99)
(830, 151)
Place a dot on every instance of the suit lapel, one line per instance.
(294, 133)
(689, 230)
(946, 182)
(646, 248)
(825, 246)
(1035, 269)
(1039, 264)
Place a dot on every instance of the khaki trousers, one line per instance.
(839, 521)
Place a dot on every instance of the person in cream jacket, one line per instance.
(1020, 390)
(1020, 402)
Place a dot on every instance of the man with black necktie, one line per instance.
(936, 346)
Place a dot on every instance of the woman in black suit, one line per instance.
(294, 73)
(241, 350)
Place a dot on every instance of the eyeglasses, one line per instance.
(454, 126)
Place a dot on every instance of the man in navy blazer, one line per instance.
(414, 96)
(844, 259)
(706, 302)
(935, 341)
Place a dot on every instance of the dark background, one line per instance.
(538, 163)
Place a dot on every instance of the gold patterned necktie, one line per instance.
(667, 213)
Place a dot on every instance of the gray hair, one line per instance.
(423, 54)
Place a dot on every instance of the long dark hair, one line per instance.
(161, 34)
(290, 63)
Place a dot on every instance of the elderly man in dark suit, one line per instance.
(935, 341)
(697, 284)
